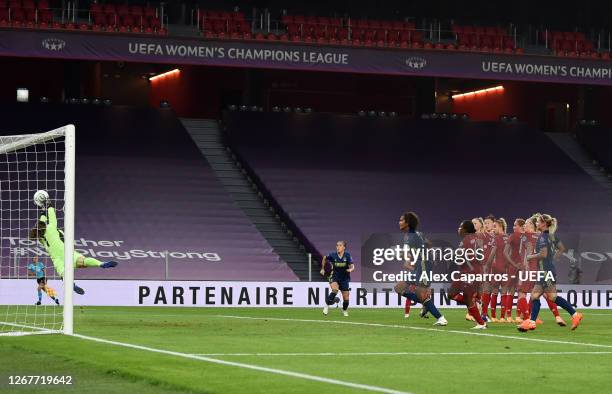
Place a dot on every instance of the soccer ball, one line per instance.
(40, 197)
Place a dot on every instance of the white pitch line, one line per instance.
(523, 338)
(396, 354)
(246, 366)
(38, 330)
(399, 354)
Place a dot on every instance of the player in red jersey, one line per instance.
(498, 268)
(512, 253)
(488, 245)
(463, 292)
(479, 226)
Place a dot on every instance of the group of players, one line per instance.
(532, 247)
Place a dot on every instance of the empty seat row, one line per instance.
(485, 41)
(346, 22)
(225, 26)
(221, 15)
(20, 16)
(123, 9)
(128, 21)
(25, 4)
(479, 30)
(572, 46)
(562, 35)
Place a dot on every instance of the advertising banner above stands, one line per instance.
(253, 294)
(433, 63)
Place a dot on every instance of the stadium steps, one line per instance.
(576, 152)
(244, 192)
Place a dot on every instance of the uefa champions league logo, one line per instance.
(53, 44)
(416, 62)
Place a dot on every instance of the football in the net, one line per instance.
(40, 197)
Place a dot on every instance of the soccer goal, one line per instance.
(29, 163)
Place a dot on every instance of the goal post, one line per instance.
(69, 184)
(31, 162)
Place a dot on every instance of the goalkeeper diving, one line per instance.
(47, 234)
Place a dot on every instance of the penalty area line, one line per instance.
(244, 366)
(483, 334)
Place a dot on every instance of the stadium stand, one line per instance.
(318, 30)
(141, 180)
(349, 175)
(598, 142)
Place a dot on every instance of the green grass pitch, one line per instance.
(387, 352)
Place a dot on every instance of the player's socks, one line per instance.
(459, 299)
(535, 309)
(493, 306)
(562, 302)
(39, 295)
(431, 307)
(503, 305)
(509, 304)
(407, 305)
(553, 307)
(486, 298)
(521, 305)
(527, 315)
(90, 262)
(109, 264)
(331, 298)
(345, 305)
(476, 314)
(410, 295)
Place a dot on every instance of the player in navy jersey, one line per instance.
(420, 290)
(340, 278)
(404, 228)
(545, 254)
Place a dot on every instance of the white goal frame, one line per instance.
(68, 132)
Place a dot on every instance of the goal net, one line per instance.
(29, 282)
